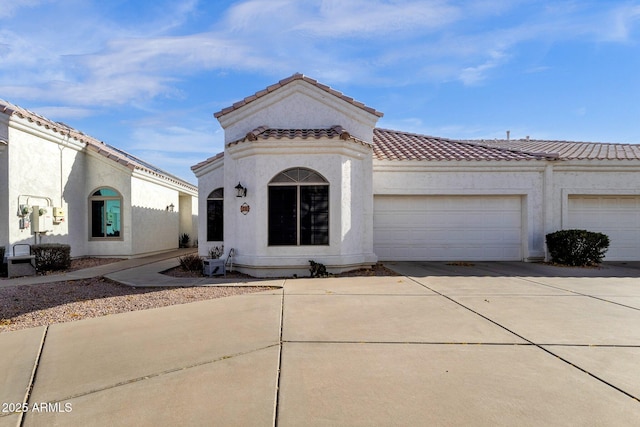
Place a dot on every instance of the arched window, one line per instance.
(105, 214)
(298, 208)
(215, 215)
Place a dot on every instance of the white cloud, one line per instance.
(621, 23)
(177, 139)
(366, 18)
(473, 75)
(393, 42)
(58, 113)
(8, 8)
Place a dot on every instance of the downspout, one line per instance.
(547, 201)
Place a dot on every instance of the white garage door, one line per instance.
(616, 216)
(447, 228)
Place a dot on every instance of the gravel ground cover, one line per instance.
(28, 306)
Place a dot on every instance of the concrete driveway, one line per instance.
(482, 344)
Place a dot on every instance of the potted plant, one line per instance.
(214, 265)
(216, 252)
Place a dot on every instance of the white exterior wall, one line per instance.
(588, 177)
(42, 167)
(188, 213)
(345, 165)
(524, 179)
(153, 227)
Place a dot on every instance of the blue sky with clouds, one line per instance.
(147, 75)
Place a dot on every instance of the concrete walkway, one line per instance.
(483, 344)
(133, 266)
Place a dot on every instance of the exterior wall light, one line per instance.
(240, 190)
(170, 208)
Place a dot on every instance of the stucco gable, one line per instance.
(297, 102)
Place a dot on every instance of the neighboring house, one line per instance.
(323, 183)
(92, 196)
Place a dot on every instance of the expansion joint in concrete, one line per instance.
(539, 346)
(277, 396)
(34, 372)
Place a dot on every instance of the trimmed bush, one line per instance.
(577, 247)
(191, 262)
(52, 256)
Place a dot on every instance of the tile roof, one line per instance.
(288, 80)
(113, 153)
(570, 150)
(265, 133)
(207, 161)
(396, 145)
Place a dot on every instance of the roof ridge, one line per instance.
(470, 142)
(553, 141)
(296, 76)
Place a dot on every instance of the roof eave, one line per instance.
(295, 77)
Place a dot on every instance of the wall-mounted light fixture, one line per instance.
(170, 208)
(240, 190)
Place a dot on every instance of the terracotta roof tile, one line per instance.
(288, 80)
(396, 145)
(571, 150)
(266, 133)
(113, 153)
(206, 162)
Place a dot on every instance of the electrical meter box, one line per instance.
(41, 219)
(58, 215)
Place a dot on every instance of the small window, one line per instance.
(215, 216)
(298, 208)
(105, 214)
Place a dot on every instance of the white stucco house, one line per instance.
(318, 181)
(59, 185)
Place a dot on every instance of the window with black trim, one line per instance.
(298, 208)
(215, 215)
(105, 214)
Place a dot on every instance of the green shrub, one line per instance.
(191, 262)
(184, 240)
(52, 256)
(577, 247)
(317, 269)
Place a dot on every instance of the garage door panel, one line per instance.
(616, 216)
(448, 227)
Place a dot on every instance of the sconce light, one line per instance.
(240, 190)
(170, 208)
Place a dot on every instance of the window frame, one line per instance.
(219, 197)
(312, 179)
(100, 198)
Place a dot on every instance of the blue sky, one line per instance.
(147, 75)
